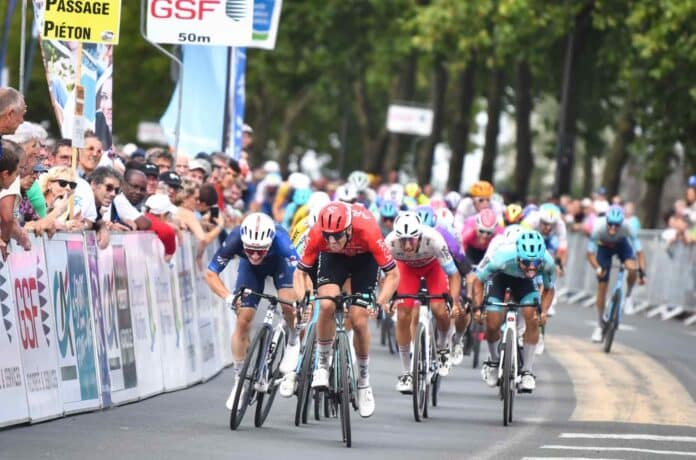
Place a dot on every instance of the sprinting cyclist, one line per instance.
(387, 213)
(264, 249)
(346, 242)
(549, 222)
(512, 214)
(481, 194)
(613, 236)
(420, 251)
(515, 268)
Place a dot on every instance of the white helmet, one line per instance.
(360, 180)
(346, 193)
(453, 199)
(257, 230)
(298, 180)
(408, 225)
(271, 166)
(396, 193)
(317, 201)
(512, 231)
(444, 217)
(273, 180)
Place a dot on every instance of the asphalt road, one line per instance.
(636, 403)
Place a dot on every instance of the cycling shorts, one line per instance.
(335, 268)
(623, 250)
(474, 255)
(254, 277)
(551, 243)
(409, 280)
(522, 290)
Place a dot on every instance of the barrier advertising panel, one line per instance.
(206, 325)
(13, 391)
(37, 337)
(67, 276)
(185, 297)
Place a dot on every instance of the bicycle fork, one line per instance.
(511, 325)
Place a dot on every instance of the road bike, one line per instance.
(260, 375)
(305, 369)
(614, 311)
(424, 363)
(386, 330)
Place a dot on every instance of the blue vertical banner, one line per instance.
(238, 97)
(265, 26)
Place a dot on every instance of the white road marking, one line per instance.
(622, 326)
(567, 458)
(640, 437)
(622, 449)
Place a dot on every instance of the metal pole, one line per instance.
(177, 129)
(22, 46)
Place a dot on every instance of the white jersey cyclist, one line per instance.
(432, 247)
(548, 221)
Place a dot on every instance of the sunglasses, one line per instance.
(613, 225)
(530, 263)
(66, 183)
(483, 200)
(336, 236)
(112, 188)
(410, 240)
(255, 252)
(388, 219)
(484, 232)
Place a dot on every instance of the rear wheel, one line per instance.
(304, 379)
(507, 385)
(419, 371)
(247, 377)
(613, 323)
(264, 401)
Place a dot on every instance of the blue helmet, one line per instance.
(530, 245)
(426, 215)
(530, 208)
(692, 181)
(301, 195)
(615, 215)
(388, 210)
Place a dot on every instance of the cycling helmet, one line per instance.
(692, 181)
(549, 213)
(412, 189)
(346, 193)
(410, 203)
(271, 167)
(299, 180)
(453, 199)
(395, 193)
(317, 201)
(301, 196)
(444, 218)
(482, 189)
(530, 208)
(388, 210)
(512, 213)
(273, 180)
(437, 202)
(486, 221)
(512, 232)
(530, 245)
(408, 225)
(257, 230)
(335, 217)
(615, 215)
(425, 213)
(360, 180)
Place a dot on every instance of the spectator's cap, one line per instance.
(39, 168)
(586, 203)
(171, 178)
(247, 129)
(137, 153)
(601, 206)
(129, 149)
(151, 170)
(159, 204)
(202, 156)
(601, 191)
(692, 181)
(200, 164)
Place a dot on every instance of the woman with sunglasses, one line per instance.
(515, 268)
(58, 186)
(264, 250)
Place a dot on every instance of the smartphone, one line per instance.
(214, 212)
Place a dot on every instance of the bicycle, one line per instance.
(386, 328)
(509, 370)
(342, 390)
(305, 367)
(614, 312)
(424, 364)
(260, 374)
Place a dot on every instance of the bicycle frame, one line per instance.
(617, 290)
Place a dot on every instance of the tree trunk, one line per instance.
(649, 211)
(618, 156)
(292, 113)
(462, 124)
(495, 104)
(587, 172)
(407, 87)
(426, 156)
(524, 161)
(373, 144)
(565, 149)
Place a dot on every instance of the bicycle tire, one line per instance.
(247, 376)
(476, 348)
(434, 386)
(419, 373)
(613, 323)
(343, 393)
(391, 338)
(264, 401)
(506, 384)
(304, 379)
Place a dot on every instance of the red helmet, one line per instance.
(486, 221)
(334, 217)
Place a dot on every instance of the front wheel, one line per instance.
(419, 371)
(304, 379)
(247, 378)
(613, 324)
(264, 400)
(507, 384)
(343, 390)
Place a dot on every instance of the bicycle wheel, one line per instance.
(247, 378)
(419, 372)
(343, 391)
(434, 386)
(476, 345)
(264, 400)
(613, 323)
(391, 338)
(304, 379)
(508, 378)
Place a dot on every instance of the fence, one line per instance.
(671, 273)
(85, 328)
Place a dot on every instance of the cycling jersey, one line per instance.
(431, 247)
(471, 238)
(366, 237)
(558, 229)
(461, 261)
(505, 261)
(467, 209)
(601, 237)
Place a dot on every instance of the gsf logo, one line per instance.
(26, 294)
(183, 9)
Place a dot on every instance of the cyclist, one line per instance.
(387, 214)
(515, 268)
(549, 222)
(420, 251)
(478, 232)
(613, 236)
(481, 194)
(264, 250)
(346, 242)
(512, 214)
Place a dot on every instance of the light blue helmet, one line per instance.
(426, 215)
(530, 245)
(388, 210)
(615, 215)
(301, 195)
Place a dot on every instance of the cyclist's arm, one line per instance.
(216, 285)
(547, 298)
(302, 283)
(592, 259)
(477, 292)
(390, 283)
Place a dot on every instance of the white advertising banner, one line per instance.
(227, 317)
(36, 324)
(210, 364)
(406, 119)
(147, 348)
(200, 22)
(67, 275)
(185, 298)
(13, 391)
(117, 322)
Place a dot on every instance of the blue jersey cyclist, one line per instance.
(613, 236)
(264, 250)
(515, 268)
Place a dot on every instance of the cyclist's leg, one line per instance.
(604, 256)
(627, 255)
(405, 316)
(331, 275)
(494, 314)
(250, 278)
(363, 269)
(526, 293)
(282, 280)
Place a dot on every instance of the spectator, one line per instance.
(162, 159)
(207, 206)
(83, 199)
(29, 136)
(106, 184)
(158, 208)
(12, 110)
(691, 201)
(247, 141)
(220, 165)
(152, 174)
(182, 165)
(172, 182)
(630, 216)
(58, 186)
(126, 204)
(10, 196)
(186, 200)
(199, 171)
(90, 156)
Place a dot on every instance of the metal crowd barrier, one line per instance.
(671, 272)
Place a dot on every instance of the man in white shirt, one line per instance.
(125, 205)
